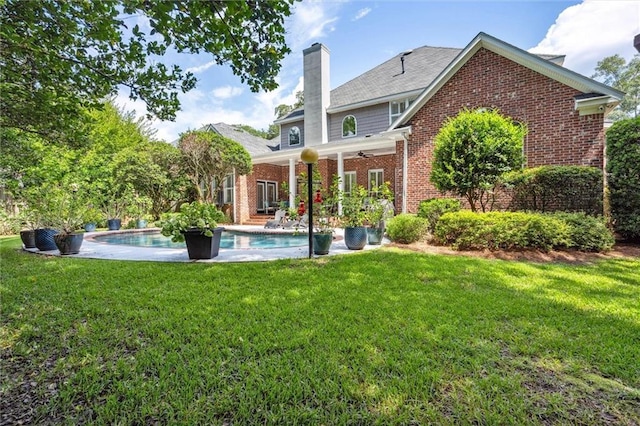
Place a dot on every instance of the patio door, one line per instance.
(267, 196)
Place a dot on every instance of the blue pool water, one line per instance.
(229, 240)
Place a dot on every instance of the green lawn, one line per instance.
(382, 337)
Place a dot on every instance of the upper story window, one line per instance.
(294, 136)
(349, 126)
(396, 108)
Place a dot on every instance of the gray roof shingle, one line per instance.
(254, 144)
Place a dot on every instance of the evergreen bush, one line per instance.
(556, 188)
(587, 233)
(623, 168)
(433, 208)
(406, 228)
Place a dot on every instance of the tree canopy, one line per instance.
(615, 72)
(208, 158)
(58, 57)
(472, 150)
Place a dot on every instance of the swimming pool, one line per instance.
(229, 240)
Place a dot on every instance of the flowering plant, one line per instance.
(325, 206)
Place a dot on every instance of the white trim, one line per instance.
(528, 60)
(596, 105)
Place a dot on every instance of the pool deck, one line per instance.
(96, 250)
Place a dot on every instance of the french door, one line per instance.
(267, 196)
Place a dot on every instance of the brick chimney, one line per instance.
(316, 94)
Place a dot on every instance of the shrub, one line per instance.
(501, 230)
(623, 168)
(587, 233)
(556, 188)
(433, 208)
(406, 228)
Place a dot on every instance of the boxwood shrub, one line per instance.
(406, 228)
(433, 208)
(587, 233)
(466, 230)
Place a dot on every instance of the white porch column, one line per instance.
(341, 176)
(292, 182)
(405, 166)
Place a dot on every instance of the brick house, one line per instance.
(380, 126)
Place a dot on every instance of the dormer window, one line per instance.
(349, 126)
(396, 108)
(294, 136)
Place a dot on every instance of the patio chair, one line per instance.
(277, 220)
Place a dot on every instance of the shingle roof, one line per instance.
(254, 144)
(421, 67)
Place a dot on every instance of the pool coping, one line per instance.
(96, 250)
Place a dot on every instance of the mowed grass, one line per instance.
(382, 337)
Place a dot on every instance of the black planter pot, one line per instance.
(374, 236)
(44, 239)
(199, 246)
(114, 224)
(68, 243)
(355, 237)
(28, 238)
(322, 243)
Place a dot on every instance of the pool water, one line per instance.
(229, 240)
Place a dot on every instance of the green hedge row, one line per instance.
(466, 230)
(556, 188)
(433, 208)
(406, 228)
(623, 168)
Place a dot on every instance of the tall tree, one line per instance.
(472, 150)
(208, 157)
(615, 72)
(59, 56)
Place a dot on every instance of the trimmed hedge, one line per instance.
(556, 188)
(406, 228)
(623, 168)
(466, 230)
(433, 208)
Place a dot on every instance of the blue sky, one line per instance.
(362, 34)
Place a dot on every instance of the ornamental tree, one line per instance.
(472, 151)
(59, 56)
(208, 158)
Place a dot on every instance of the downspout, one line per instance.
(405, 166)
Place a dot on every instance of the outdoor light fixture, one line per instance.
(310, 156)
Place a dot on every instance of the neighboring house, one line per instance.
(380, 126)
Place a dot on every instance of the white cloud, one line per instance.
(362, 13)
(201, 68)
(310, 21)
(592, 30)
(227, 92)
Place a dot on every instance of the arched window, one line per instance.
(349, 126)
(294, 136)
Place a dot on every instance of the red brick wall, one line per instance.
(557, 133)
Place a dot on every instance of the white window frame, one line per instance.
(228, 189)
(403, 104)
(350, 181)
(355, 121)
(289, 134)
(377, 172)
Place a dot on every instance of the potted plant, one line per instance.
(139, 209)
(325, 204)
(28, 223)
(69, 211)
(353, 219)
(91, 218)
(379, 209)
(197, 225)
(114, 205)
(41, 204)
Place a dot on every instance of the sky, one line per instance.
(362, 34)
